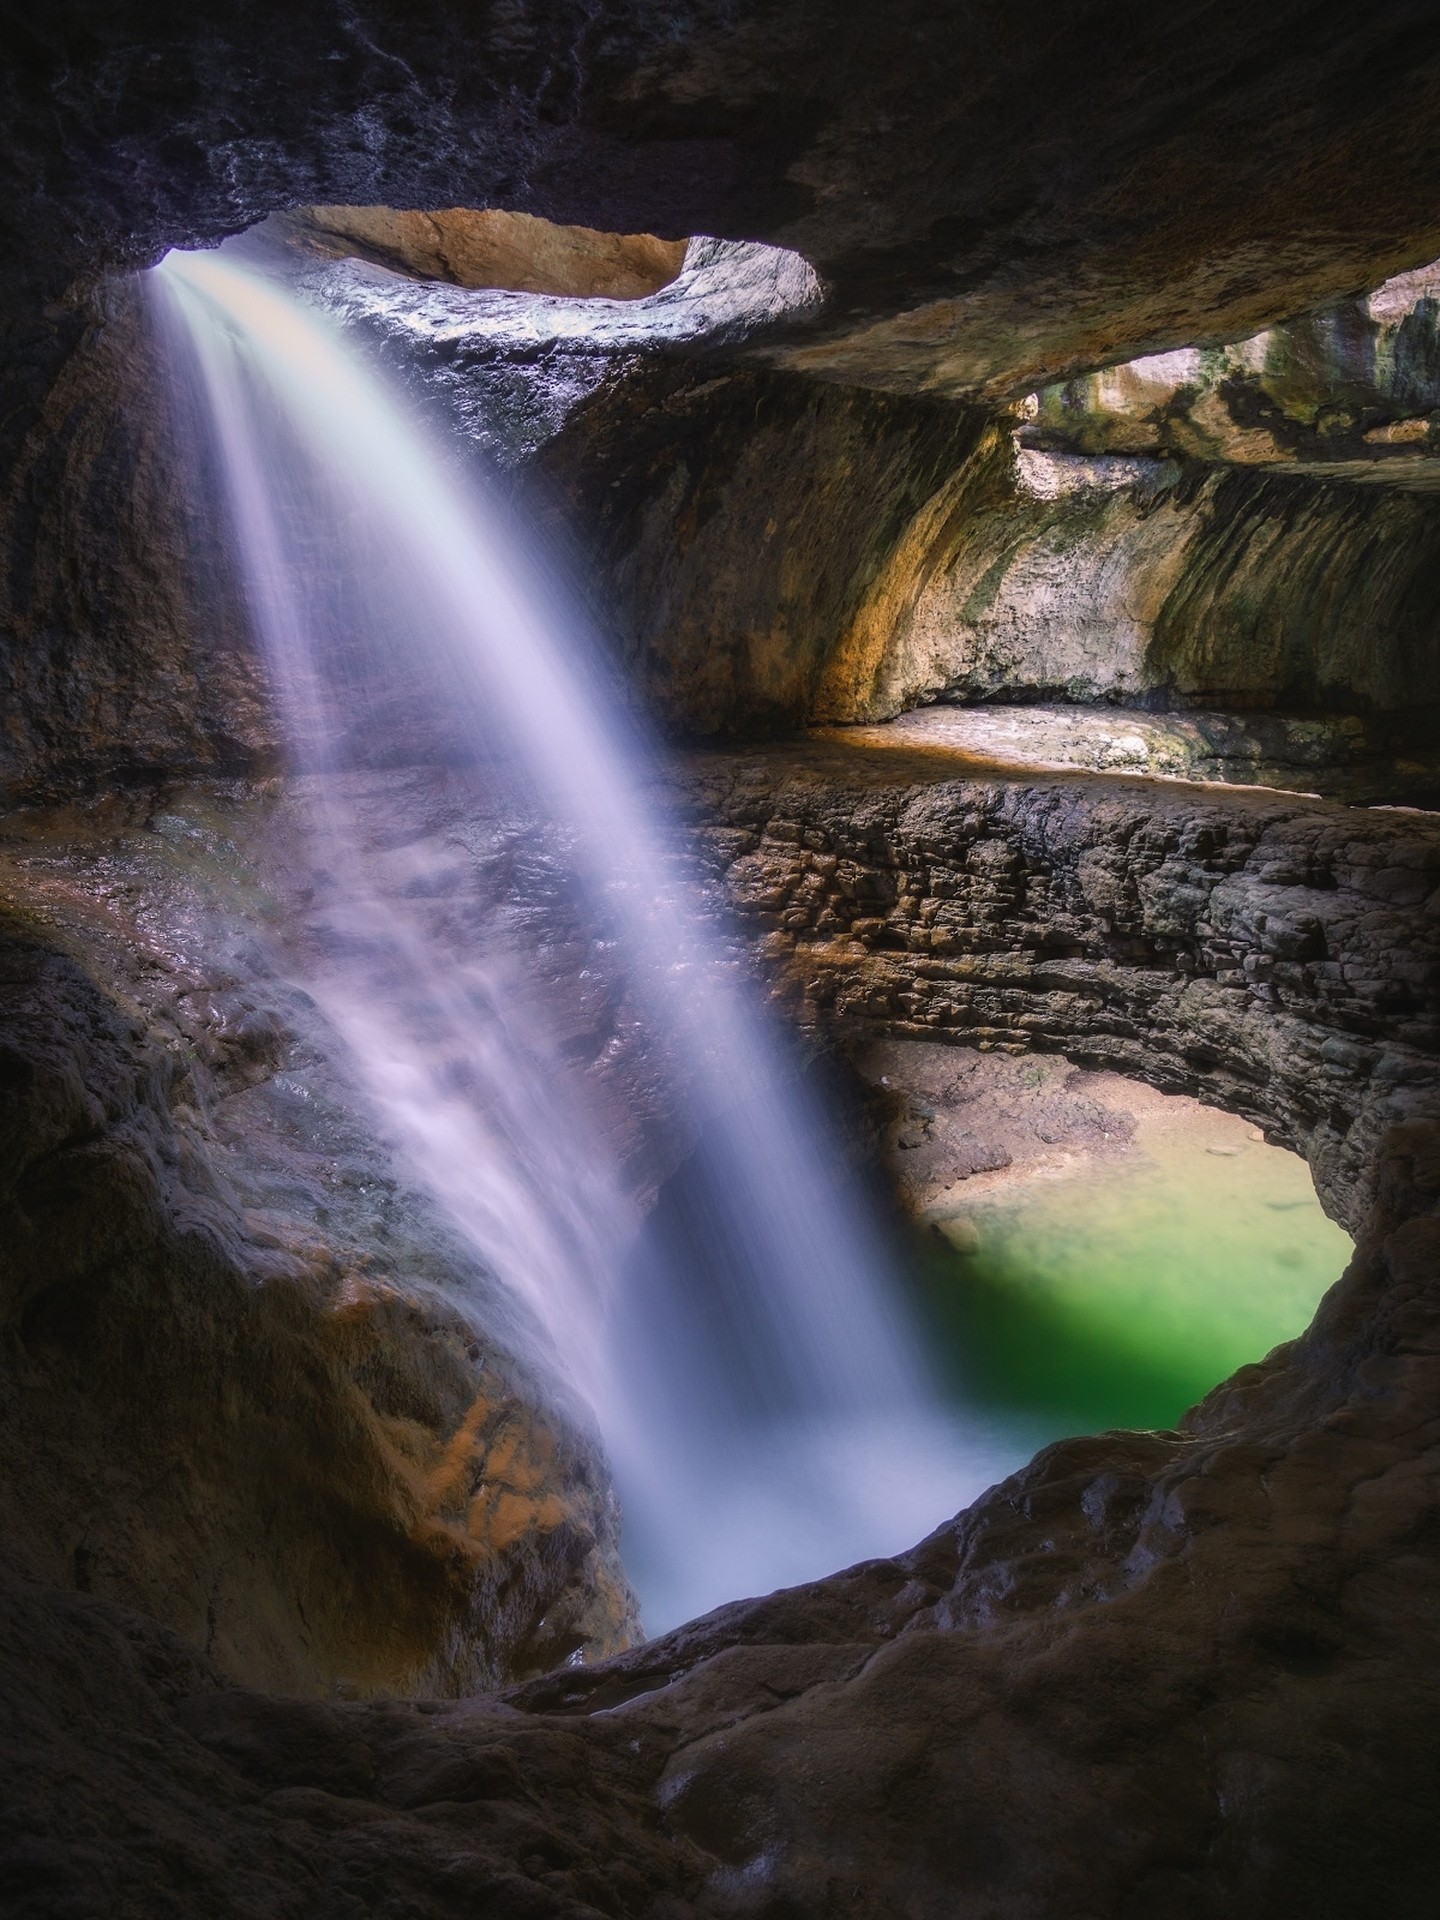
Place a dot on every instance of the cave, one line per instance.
(672, 678)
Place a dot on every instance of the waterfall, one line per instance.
(755, 1378)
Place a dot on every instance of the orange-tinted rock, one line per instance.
(470, 247)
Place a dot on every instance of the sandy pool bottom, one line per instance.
(1094, 1253)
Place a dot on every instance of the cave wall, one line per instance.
(992, 195)
(1165, 585)
(762, 550)
(769, 552)
(123, 648)
(741, 527)
(1029, 232)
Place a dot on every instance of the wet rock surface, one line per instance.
(254, 1383)
(960, 1123)
(1187, 1673)
(504, 370)
(1176, 1673)
(1272, 954)
(1345, 757)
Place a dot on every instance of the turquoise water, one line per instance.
(1117, 1295)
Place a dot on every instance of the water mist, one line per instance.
(754, 1377)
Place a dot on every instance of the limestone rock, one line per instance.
(1269, 953)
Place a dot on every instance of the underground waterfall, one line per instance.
(752, 1355)
(735, 1456)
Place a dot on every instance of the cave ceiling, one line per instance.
(993, 192)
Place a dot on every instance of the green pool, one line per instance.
(1118, 1294)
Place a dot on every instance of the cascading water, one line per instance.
(760, 1394)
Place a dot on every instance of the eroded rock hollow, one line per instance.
(999, 452)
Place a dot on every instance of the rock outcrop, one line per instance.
(1348, 390)
(253, 1385)
(1273, 955)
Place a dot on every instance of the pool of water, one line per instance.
(1116, 1293)
(1136, 1250)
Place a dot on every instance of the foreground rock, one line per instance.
(1185, 1674)
(1189, 1673)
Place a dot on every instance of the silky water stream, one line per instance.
(752, 1363)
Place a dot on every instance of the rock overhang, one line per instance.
(990, 198)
